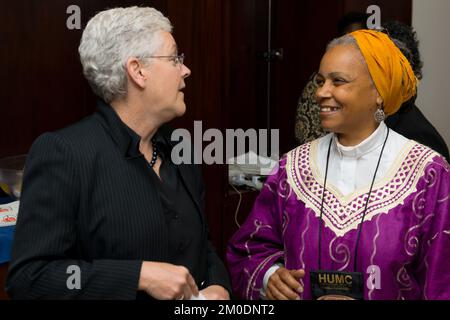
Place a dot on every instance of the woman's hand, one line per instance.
(284, 284)
(165, 281)
(215, 292)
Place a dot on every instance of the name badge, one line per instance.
(336, 285)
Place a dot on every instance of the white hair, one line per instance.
(110, 38)
(349, 40)
(344, 40)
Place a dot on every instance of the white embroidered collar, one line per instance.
(342, 213)
(369, 144)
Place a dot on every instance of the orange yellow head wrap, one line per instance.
(389, 68)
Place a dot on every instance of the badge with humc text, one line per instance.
(336, 285)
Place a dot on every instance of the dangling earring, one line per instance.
(379, 115)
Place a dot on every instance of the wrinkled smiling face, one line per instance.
(346, 94)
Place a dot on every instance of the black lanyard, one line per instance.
(365, 207)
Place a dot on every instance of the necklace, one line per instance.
(154, 154)
(365, 207)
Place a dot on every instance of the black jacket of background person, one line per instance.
(89, 200)
(410, 122)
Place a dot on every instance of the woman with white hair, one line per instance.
(105, 213)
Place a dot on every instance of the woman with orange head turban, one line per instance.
(361, 213)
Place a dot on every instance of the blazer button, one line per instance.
(181, 247)
(176, 216)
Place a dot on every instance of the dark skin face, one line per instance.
(346, 95)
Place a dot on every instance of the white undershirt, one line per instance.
(352, 168)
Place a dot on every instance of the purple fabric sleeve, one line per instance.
(432, 272)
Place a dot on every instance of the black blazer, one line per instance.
(88, 200)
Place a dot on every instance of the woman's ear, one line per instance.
(136, 72)
(379, 100)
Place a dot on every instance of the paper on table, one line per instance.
(8, 213)
(199, 297)
(252, 163)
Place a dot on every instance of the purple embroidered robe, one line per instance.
(404, 250)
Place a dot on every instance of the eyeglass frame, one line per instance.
(178, 59)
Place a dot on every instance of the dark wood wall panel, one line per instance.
(301, 28)
(197, 30)
(243, 41)
(39, 58)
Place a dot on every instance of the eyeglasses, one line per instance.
(177, 59)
